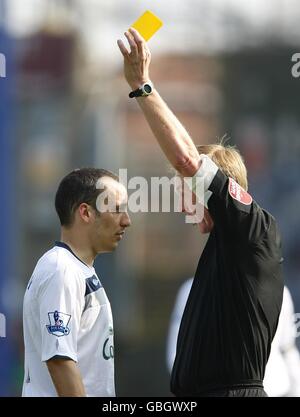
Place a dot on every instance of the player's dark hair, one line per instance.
(76, 188)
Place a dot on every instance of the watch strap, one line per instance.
(136, 93)
(141, 92)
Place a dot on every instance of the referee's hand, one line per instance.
(136, 59)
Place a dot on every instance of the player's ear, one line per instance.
(85, 212)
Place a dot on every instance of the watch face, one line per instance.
(147, 88)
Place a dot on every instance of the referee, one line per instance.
(232, 311)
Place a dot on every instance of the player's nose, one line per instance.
(125, 220)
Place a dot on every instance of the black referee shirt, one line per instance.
(233, 308)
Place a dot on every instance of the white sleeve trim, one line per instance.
(201, 181)
(207, 171)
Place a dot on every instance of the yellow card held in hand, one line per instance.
(147, 24)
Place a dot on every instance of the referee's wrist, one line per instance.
(136, 85)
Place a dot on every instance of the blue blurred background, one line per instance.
(223, 66)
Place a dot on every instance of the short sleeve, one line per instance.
(232, 209)
(286, 326)
(60, 300)
(175, 321)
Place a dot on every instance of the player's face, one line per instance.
(188, 206)
(112, 218)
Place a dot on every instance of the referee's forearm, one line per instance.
(171, 135)
(66, 378)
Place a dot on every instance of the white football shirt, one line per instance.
(282, 376)
(66, 313)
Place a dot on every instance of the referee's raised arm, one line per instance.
(171, 135)
(232, 311)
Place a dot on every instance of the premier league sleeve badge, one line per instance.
(58, 323)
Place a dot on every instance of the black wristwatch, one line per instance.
(144, 90)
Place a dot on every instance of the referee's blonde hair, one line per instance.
(228, 159)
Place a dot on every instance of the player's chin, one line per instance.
(109, 247)
(113, 246)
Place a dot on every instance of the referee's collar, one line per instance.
(65, 246)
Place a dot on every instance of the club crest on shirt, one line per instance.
(108, 348)
(58, 323)
(238, 193)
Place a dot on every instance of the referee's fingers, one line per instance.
(141, 44)
(132, 44)
(122, 48)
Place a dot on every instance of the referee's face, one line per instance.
(111, 219)
(188, 206)
(206, 225)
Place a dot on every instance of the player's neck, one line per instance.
(79, 246)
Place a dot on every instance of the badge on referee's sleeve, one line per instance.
(238, 193)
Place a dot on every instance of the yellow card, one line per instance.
(147, 24)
